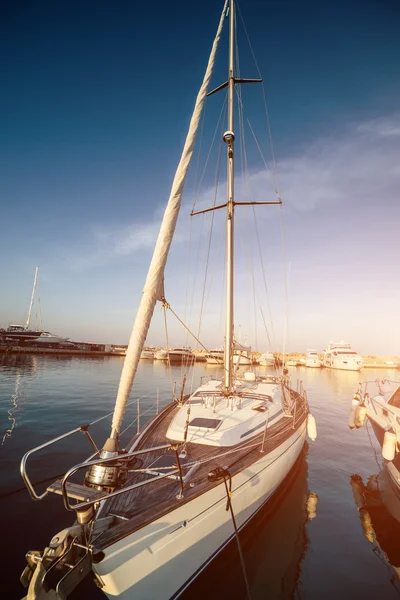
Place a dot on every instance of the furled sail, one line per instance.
(155, 274)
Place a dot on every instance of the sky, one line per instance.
(96, 100)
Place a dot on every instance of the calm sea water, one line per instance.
(310, 542)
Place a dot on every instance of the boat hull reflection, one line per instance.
(379, 510)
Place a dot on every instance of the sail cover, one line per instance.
(155, 274)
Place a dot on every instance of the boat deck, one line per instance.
(140, 506)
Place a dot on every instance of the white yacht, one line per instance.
(291, 363)
(267, 359)
(147, 354)
(215, 356)
(175, 355)
(242, 355)
(49, 338)
(339, 355)
(312, 359)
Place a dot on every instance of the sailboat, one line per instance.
(22, 333)
(151, 517)
(378, 402)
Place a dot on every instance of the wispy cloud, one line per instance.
(358, 165)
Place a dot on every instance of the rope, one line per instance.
(168, 307)
(239, 545)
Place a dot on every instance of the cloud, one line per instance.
(357, 166)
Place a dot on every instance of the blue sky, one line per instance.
(94, 110)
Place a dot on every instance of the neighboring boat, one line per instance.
(242, 355)
(19, 333)
(175, 355)
(339, 355)
(49, 338)
(149, 518)
(379, 402)
(267, 360)
(22, 334)
(215, 356)
(291, 363)
(312, 359)
(147, 354)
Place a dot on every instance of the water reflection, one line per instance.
(16, 366)
(379, 511)
(274, 544)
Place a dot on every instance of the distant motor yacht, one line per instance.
(175, 355)
(267, 360)
(242, 355)
(339, 355)
(312, 359)
(215, 356)
(291, 363)
(50, 338)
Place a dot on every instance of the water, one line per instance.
(327, 551)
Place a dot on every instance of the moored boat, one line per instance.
(151, 516)
(340, 355)
(176, 355)
(312, 359)
(379, 403)
(267, 359)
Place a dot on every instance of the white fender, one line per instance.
(353, 410)
(389, 445)
(311, 427)
(360, 416)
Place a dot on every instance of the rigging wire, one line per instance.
(217, 173)
(168, 307)
(276, 178)
(265, 101)
(241, 108)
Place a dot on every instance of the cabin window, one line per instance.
(205, 423)
(395, 399)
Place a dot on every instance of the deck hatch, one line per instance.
(204, 423)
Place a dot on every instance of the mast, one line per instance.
(229, 138)
(32, 297)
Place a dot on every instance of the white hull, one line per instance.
(242, 360)
(173, 356)
(214, 361)
(160, 560)
(313, 363)
(266, 363)
(346, 365)
(50, 339)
